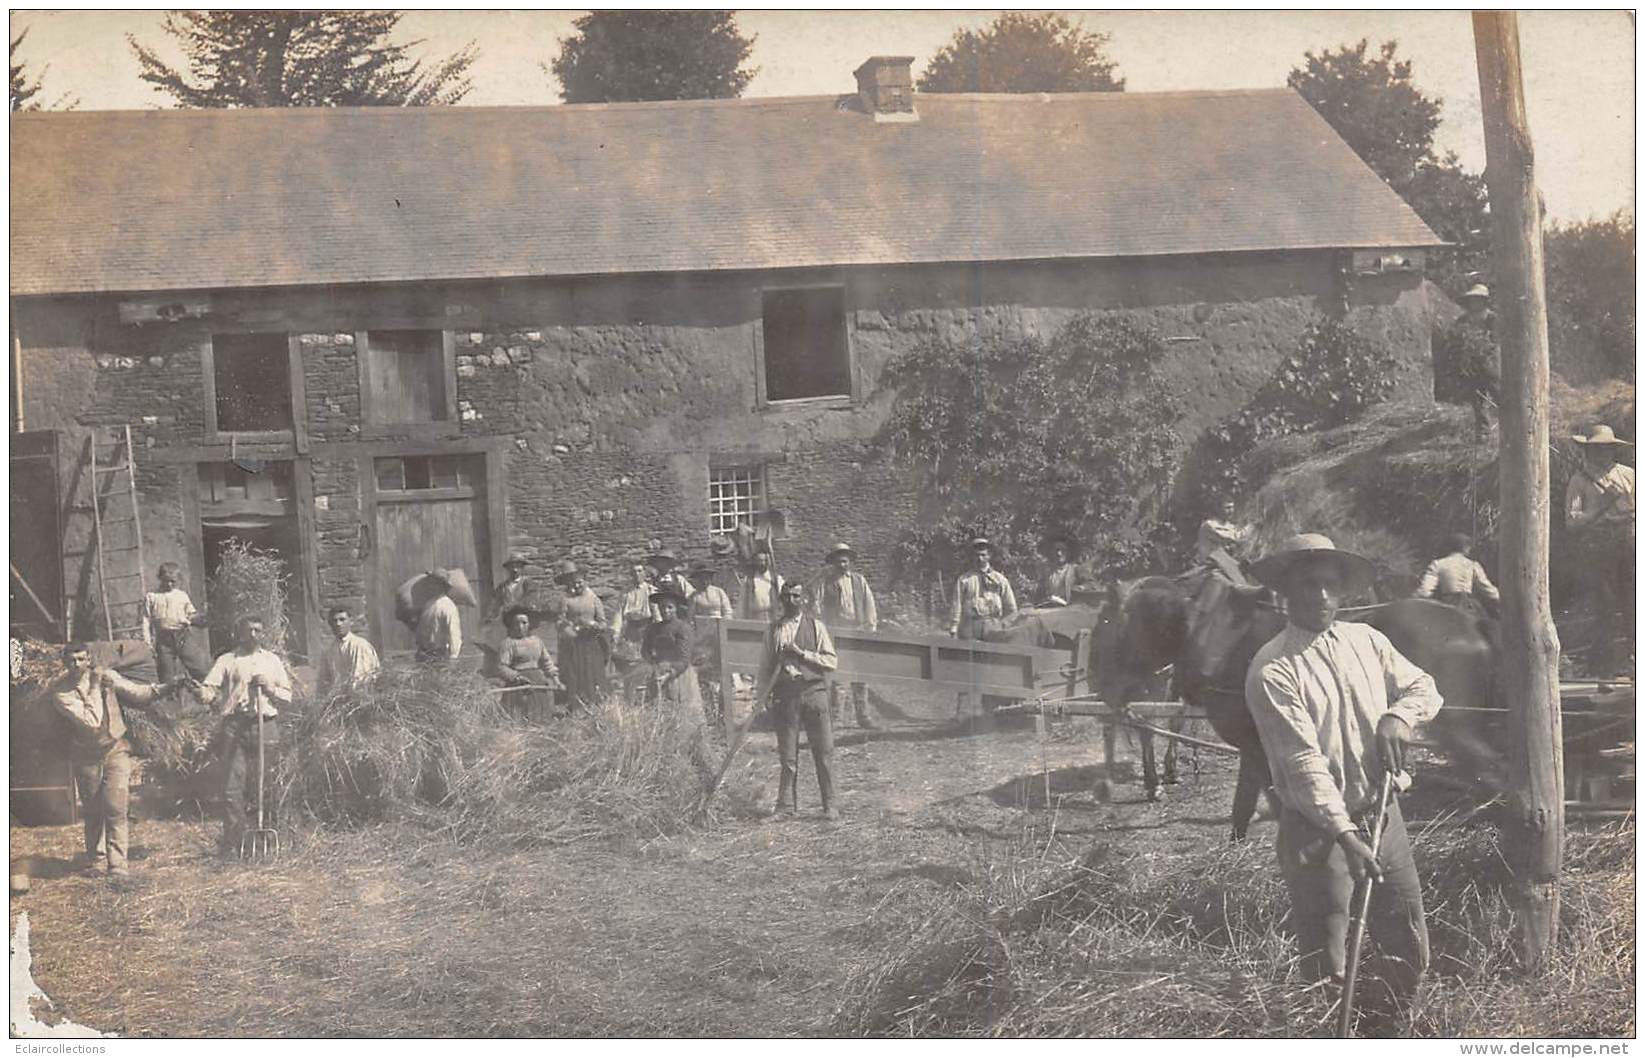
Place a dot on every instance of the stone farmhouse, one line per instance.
(436, 335)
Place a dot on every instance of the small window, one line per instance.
(404, 374)
(806, 352)
(417, 473)
(735, 494)
(251, 375)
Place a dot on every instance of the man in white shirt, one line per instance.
(799, 655)
(1599, 513)
(843, 599)
(759, 599)
(88, 698)
(1221, 541)
(439, 630)
(348, 660)
(1335, 705)
(247, 680)
(1457, 580)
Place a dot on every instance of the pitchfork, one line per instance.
(262, 843)
(1391, 782)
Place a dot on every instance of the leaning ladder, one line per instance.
(122, 460)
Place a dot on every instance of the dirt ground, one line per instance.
(748, 929)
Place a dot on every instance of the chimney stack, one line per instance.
(885, 87)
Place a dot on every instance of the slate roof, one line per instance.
(181, 199)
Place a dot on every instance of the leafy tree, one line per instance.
(300, 59)
(1020, 52)
(1023, 438)
(628, 56)
(1375, 106)
(24, 90)
(1590, 283)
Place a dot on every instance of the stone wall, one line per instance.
(613, 396)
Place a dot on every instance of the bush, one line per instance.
(1022, 438)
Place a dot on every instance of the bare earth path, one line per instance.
(748, 929)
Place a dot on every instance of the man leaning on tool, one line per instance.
(1335, 705)
(799, 655)
(89, 697)
(229, 686)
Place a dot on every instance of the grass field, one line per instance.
(951, 900)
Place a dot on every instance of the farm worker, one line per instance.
(759, 599)
(673, 682)
(229, 687)
(1062, 574)
(983, 602)
(630, 617)
(799, 655)
(1456, 579)
(348, 660)
(89, 698)
(1469, 355)
(670, 573)
(1599, 511)
(1221, 540)
(584, 639)
(709, 604)
(169, 617)
(512, 591)
(983, 598)
(843, 599)
(1335, 705)
(522, 661)
(439, 629)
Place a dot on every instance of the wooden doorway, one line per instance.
(430, 511)
(259, 509)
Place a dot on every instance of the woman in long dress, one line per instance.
(673, 684)
(584, 639)
(523, 662)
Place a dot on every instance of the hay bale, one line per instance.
(250, 583)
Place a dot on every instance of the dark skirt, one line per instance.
(582, 667)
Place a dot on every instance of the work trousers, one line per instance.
(798, 704)
(104, 784)
(1321, 888)
(859, 703)
(177, 652)
(236, 748)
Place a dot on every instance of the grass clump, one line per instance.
(1111, 943)
(436, 747)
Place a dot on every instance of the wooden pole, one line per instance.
(1533, 842)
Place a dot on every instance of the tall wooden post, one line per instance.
(1534, 843)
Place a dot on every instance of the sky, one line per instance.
(1579, 66)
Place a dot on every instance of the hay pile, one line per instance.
(250, 583)
(1110, 944)
(437, 748)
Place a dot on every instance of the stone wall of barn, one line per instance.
(609, 398)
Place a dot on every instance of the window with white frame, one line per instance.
(735, 494)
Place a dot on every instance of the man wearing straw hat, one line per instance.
(983, 602)
(512, 591)
(1335, 705)
(1599, 512)
(843, 599)
(1470, 348)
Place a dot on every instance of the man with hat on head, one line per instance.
(670, 573)
(631, 616)
(584, 649)
(983, 602)
(761, 587)
(1221, 540)
(512, 591)
(709, 603)
(843, 599)
(799, 655)
(1335, 705)
(1467, 353)
(1599, 512)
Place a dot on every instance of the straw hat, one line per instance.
(721, 544)
(981, 542)
(516, 558)
(840, 548)
(1357, 571)
(1601, 435)
(663, 560)
(568, 569)
(1478, 290)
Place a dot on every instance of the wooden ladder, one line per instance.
(114, 506)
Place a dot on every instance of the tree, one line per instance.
(1024, 438)
(300, 59)
(1590, 283)
(25, 90)
(1375, 106)
(1020, 52)
(629, 56)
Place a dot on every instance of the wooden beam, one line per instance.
(1533, 842)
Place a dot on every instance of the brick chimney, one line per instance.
(885, 87)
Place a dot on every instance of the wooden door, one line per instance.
(433, 519)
